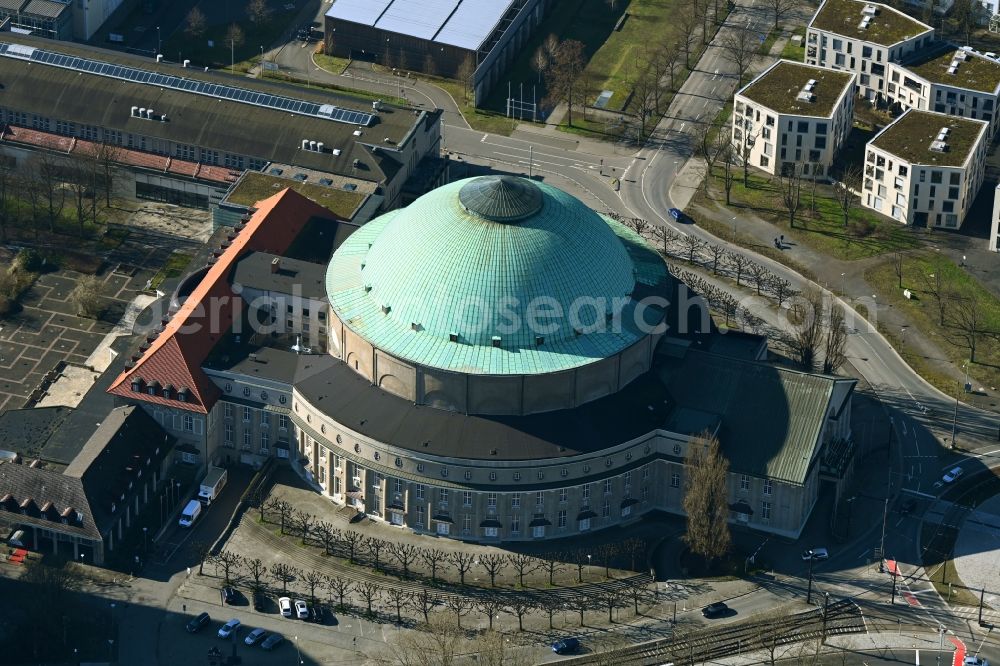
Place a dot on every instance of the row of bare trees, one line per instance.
(403, 557)
(38, 191)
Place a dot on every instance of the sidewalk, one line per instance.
(975, 550)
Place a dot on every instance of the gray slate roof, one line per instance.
(200, 120)
(254, 270)
(770, 418)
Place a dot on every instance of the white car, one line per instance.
(975, 661)
(227, 630)
(301, 609)
(285, 605)
(953, 475)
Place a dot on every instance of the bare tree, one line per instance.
(540, 61)
(341, 587)
(353, 541)
(369, 592)
(966, 323)
(257, 570)
(490, 606)
(493, 563)
(806, 314)
(79, 180)
(495, 649)
(7, 182)
(636, 224)
(740, 47)
(718, 254)
(326, 534)
(433, 558)
(781, 288)
(284, 574)
(638, 592)
(50, 182)
(551, 562)
(938, 285)
(666, 236)
(686, 21)
(693, 245)
(464, 73)
(850, 180)
(897, 266)
(430, 65)
(645, 98)
(398, 598)
(405, 553)
(739, 262)
(463, 562)
(964, 16)
(86, 296)
(790, 186)
(268, 506)
(458, 605)
(425, 601)
(230, 563)
(611, 598)
(302, 523)
(519, 607)
(563, 76)
(202, 551)
(235, 36)
(728, 159)
(438, 644)
(194, 23)
(779, 9)
(759, 274)
(523, 564)
(376, 547)
(258, 12)
(313, 580)
(834, 347)
(284, 511)
(706, 499)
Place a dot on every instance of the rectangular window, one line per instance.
(767, 486)
(936, 177)
(627, 477)
(265, 442)
(586, 493)
(539, 499)
(466, 524)
(562, 519)
(491, 500)
(563, 495)
(189, 423)
(607, 486)
(246, 440)
(229, 434)
(443, 496)
(515, 501)
(765, 511)
(419, 491)
(420, 516)
(397, 486)
(606, 509)
(228, 410)
(265, 419)
(466, 498)
(538, 532)
(645, 473)
(515, 525)
(675, 480)
(744, 482)
(246, 414)
(282, 422)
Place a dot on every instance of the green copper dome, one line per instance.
(468, 278)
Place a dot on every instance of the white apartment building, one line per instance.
(995, 224)
(863, 37)
(947, 80)
(925, 168)
(793, 115)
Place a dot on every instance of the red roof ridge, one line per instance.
(176, 355)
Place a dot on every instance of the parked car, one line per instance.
(285, 606)
(815, 554)
(316, 614)
(301, 609)
(954, 474)
(196, 624)
(717, 609)
(254, 636)
(259, 600)
(229, 595)
(272, 642)
(566, 646)
(226, 630)
(975, 661)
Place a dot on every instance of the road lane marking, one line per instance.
(681, 128)
(483, 140)
(917, 492)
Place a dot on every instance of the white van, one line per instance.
(190, 513)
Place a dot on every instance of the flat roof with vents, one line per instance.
(924, 137)
(466, 24)
(794, 88)
(869, 21)
(957, 68)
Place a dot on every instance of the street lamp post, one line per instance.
(260, 74)
(809, 589)
(843, 283)
(145, 544)
(826, 604)
(159, 42)
(734, 228)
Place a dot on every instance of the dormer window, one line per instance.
(136, 385)
(182, 395)
(166, 391)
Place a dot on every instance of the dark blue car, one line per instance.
(677, 214)
(566, 646)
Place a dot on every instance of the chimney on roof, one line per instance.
(276, 264)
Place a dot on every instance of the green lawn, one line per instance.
(331, 64)
(922, 311)
(174, 266)
(867, 234)
(772, 37)
(793, 51)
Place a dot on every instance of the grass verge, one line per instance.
(936, 544)
(174, 266)
(793, 51)
(957, 286)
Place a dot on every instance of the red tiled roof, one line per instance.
(127, 156)
(176, 355)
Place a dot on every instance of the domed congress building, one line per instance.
(495, 362)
